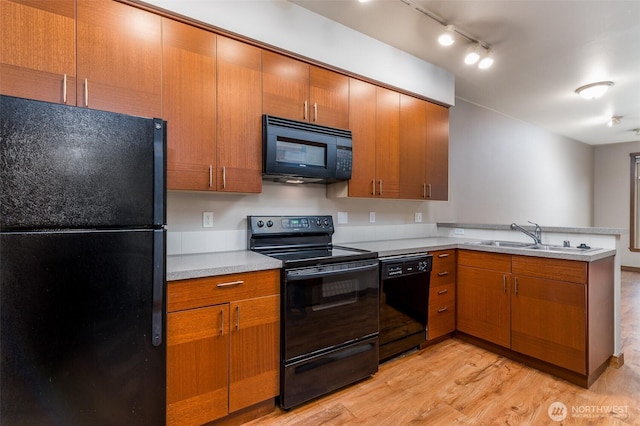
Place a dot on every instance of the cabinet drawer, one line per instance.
(444, 268)
(198, 292)
(479, 259)
(442, 314)
(554, 269)
(441, 294)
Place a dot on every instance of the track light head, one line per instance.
(486, 61)
(446, 38)
(473, 54)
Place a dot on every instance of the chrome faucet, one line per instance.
(536, 235)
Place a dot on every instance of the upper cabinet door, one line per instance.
(285, 87)
(328, 98)
(239, 140)
(413, 135)
(362, 121)
(299, 91)
(437, 152)
(387, 183)
(38, 50)
(189, 105)
(119, 58)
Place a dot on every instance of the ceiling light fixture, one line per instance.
(446, 38)
(486, 61)
(637, 131)
(616, 119)
(594, 90)
(473, 54)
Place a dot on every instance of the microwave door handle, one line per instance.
(298, 276)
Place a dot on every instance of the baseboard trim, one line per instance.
(630, 268)
(616, 361)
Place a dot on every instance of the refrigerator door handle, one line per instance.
(159, 269)
(160, 168)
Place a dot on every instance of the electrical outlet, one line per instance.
(458, 231)
(343, 218)
(207, 219)
(418, 217)
(372, 217)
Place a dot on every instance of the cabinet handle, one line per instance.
(380, 185)
(64, 89)
(504, 284)
(428, 190)
(210, 175)
(373, 187)
(445, 291)
(224, 178)
(315, 111)
(230, 284)
(442, 274)
(516, 280)
(222, 322)
(424, 190)
(86, 92)
(305, 110)
(441, 310)
(443, 255)
(237, 317)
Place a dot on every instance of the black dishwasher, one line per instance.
(404, 303)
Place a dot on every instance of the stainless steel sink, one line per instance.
(529, 246)
(499, 243)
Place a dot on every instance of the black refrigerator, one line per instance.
(82, 266)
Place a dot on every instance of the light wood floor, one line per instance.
(457, 383)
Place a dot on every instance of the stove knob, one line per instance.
(269, 223)
(422, 266)
(318, 222)
(326, 222)
(260, 224)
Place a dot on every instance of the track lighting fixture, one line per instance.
(473, 54)
(616, 119)
(486, 61)
(446, 38)
(479, 51)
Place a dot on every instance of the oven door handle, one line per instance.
(296, 275)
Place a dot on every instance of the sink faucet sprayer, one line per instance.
(537, 235)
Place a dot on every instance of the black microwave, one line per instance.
(299, 152)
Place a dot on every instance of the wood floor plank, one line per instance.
(456, 383)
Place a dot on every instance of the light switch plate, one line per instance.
(418, 217)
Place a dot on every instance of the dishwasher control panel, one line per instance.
(405, 265)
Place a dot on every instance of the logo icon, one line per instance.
(557, 411)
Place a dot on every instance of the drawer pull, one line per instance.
(441, 310)
(222, 322)
(230, 284)
(445, 291)
(237, 317)
(442, 274)
(443, 255)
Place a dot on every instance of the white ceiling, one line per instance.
(543, 51)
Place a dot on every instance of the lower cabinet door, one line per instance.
(255, 351)
(548, 321)
(197, 365)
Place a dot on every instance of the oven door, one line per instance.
(327, 306)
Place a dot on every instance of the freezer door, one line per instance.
(69, 167)
(80, 342)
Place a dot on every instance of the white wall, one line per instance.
(504, 170)
(612, 193)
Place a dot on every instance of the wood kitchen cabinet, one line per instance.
(412, 147)
(223, 345)
(98, 54)
(119, 59)
(239, 123)
(189, 105)
(561, 311)
(442, 294)
(296, 90)
(437, 153)
(38, 50)
(483, 296)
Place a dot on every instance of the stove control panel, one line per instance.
(271, 225)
